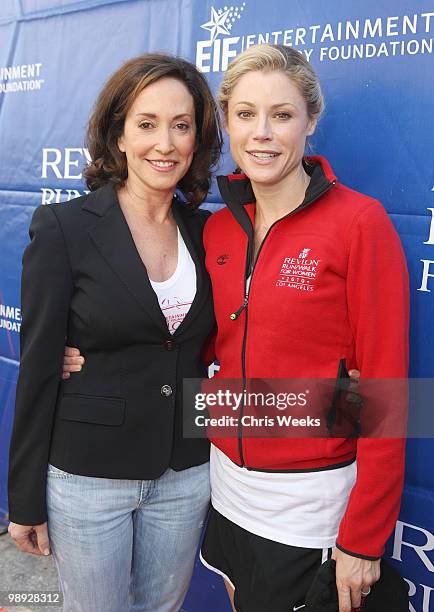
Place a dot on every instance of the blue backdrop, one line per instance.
(375, 61)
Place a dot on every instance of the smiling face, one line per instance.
(268, 124)
(159, 137)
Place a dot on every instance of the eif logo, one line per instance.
(213, 55)
(303, 253)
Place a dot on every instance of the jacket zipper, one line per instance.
(244, 306)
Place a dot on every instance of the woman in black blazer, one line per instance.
(102, 455)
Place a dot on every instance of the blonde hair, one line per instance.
(274, 57)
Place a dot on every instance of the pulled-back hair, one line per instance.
(268, 57)
(106, 123)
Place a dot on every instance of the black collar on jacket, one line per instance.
(112, 237)
(236, 191)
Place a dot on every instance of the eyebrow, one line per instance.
(154, 116)
(273, 107)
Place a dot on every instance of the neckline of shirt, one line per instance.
(182, 256)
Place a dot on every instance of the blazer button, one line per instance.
(169, 345)
(166, 390)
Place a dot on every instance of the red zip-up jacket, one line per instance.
(353, 306)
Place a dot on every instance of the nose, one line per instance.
(164, 144)
(262, 129)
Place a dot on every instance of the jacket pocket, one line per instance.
(92, 409)
(343, 417)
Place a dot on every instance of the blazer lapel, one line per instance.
(112, 237)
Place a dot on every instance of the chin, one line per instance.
(264, 178)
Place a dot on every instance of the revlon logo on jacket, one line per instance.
(298, 272)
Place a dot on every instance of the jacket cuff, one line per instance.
(354, 554)
(24, 519)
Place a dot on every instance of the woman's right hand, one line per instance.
(72, 362)
(30, 538)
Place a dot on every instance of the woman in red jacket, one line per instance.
(313, 282)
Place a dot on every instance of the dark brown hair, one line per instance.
(116, 98)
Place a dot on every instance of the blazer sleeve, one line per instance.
(378, 306)
(46, 291)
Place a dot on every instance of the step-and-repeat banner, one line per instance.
(375, 62)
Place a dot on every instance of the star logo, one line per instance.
(222, 21)
(216, 25)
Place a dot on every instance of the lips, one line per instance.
(263, 154)
(263, 158)
(162, 163)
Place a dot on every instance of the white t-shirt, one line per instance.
(176, 294)
(299, 509)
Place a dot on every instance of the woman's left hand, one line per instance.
(72, 362)
(354, 577)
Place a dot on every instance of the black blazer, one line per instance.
(84, 284)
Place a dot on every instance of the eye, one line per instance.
(283, 115)
(146, 125)
(182, 126)
(244, 114)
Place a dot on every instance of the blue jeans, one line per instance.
(126, 545)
